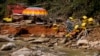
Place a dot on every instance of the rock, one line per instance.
(82, 42)
(52, 42)
(38, 51)
(43, 35)
(63, 41)
(28, 21)
(28, 38)
(55, 44)
(94, 44)
(49, 54)
(40, 40)
(68, 43)
(84, 47)
(60, 34)
(5, 38)
(73, 45)
(24, 52)
(21, 55)
(8, 46)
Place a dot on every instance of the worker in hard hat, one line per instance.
(83, 25)
(55, 27)
(76, 28)
(90, 21)
(84, 29)
(71, 18)
(84, 17)
(73, 32)
(84, 20)
(69, 24)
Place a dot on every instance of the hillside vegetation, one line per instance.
(66, 8)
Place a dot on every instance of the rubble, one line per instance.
(8, 46)
(5, 38)
(37, 51)
(82, 42)
(44, 36)
(24, 51)
(40, 40)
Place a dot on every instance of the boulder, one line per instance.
(22, 52)
(94, 43)
(40, 40)
(60, 34)
(5, 38)
(43, 35)
(8, 46)
(82, 42)
(28, 38)
(63, 41)
(21, 55)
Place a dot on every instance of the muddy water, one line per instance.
(68, 51)
(80, 52)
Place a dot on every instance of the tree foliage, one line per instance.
(60, 7)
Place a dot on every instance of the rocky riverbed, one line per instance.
(50, 46)
(39, 46)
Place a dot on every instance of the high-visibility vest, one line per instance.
(84, 21)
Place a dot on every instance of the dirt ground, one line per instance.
(94, 35)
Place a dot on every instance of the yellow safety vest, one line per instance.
(84, 21)
(68, 35)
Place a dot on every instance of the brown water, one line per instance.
(80, 52)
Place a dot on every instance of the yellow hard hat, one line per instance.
(83, 24)
(76, 27)
(67, 35)
(84, 17)
(71, 18)
(90, 19)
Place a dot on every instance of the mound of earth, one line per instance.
(94, 35)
